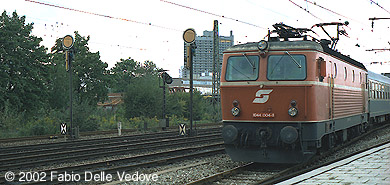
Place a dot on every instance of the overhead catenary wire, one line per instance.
(53, 27)
(327, 9)
(334, 12)
(305, 10)
(213, 14)
(380, 6)
(102, 15)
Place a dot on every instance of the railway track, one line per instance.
(251, 173)
(129, 151)
(37, 155)
(128, 163)
(12, 163)
(82, 134)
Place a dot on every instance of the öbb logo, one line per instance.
(262, 96)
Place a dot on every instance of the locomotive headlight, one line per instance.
(263, 45)
(292, 111)
(235, 111)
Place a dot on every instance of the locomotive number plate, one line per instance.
(263, 115)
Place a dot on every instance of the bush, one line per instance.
(143, 97)
(43, 126)
(83, 117)
(10, 118)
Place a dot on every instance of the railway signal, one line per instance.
(189, 36)
(167, 79)
(67, 43)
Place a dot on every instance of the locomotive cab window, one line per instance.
(242, 68)
(286, 67)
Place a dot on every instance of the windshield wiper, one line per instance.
(299, 65)
(247, 59)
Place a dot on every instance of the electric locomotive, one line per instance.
(283, 101)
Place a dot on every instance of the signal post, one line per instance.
(67, 43)
(189, 37)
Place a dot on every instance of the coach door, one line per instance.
(364, 84)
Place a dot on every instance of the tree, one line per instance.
(22, 64)
(128, 70)
(143, 98)
(140, 82)
(91, 79)
(178, 104)
(122, 73)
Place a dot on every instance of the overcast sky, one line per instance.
(152, 29)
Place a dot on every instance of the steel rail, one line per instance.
(72, 143)
(15, 152)
(135, 161)
(14, 163)
(91, 133)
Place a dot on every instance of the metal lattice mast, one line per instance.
(216, 65)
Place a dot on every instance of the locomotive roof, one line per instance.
(296, 45)
(278, 46)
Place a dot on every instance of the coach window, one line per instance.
(387, 92)
(372, 89)
(286, 67)
(382, 91)
(376, 91)
(242, 68)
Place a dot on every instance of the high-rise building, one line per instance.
(203, 59)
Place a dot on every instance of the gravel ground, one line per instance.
(189, 170)
(378, 137)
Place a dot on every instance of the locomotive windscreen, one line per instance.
(286, 67)
(242, 68)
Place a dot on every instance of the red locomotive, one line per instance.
(282, 101)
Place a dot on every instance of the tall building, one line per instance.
(203, 59)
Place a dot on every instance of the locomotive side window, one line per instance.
(242, 68)
(345, 73)
(335, 70)
(286, 67)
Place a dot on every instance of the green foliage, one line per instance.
(84, 117)
(42, 126)
(143, 97)
(178, 104)
(34, 93)
(22, 65)
(90, 77)
(10, 120)
(128, 70)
